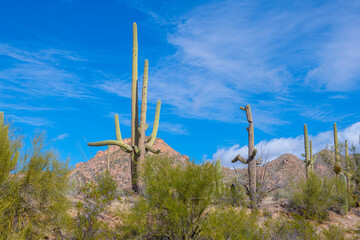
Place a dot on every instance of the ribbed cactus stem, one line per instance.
(134, 92)
(156, 124)
(337, 168)
(309, 157)
(142, 138)
(134, 110)
(251, 161)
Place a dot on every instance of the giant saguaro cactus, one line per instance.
(140, 144)
(309, 158)
(337, 167)
(251, 157)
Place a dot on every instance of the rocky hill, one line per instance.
(280, 171)
(119, 163)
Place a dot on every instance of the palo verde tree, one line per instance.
(251, 157)
(140, 144)
(309, 157)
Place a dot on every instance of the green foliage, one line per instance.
(291, 229)
(234, 195)
(9, 146)
(219, 182)
(312, 197)
(228, 223)
(176, 202)
(342, 198)
(33, 200)
(334, 233)
(95, 197)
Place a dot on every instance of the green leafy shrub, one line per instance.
(234, 195)
(33, 194)
(292, 229)
(334, 233)
(176, 201)
(95, 197)
(228, 223)
(312, 197)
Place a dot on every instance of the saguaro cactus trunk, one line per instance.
(309, 158)
(337, 167)
(251, 157)
(140, 144)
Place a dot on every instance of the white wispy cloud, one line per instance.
(33, 121)
(41, 73)
(271, 149)
(231, 53)
(173, 128)
(61, 137)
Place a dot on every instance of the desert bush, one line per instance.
(334, 233)
(312, 197)
(175, 203)
(95, 197)
(227, 223)
(33, 194)
(234, 195)
(297, 228)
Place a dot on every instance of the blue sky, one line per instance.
(65, 67)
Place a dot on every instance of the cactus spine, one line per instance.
(251, 159)
(309, 158)
(337, 167)
(140, 144)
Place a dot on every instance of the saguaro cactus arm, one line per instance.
(239, 158)
(151, 139)
(119, 142)
(151, 149)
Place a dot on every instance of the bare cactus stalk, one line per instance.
(337, 167)
(251, 157)
(140, 144)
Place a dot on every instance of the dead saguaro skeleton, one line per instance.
(251, 161)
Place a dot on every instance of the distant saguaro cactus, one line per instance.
(309, 158)
(337, 167)
(251, 157)
(140, 144)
